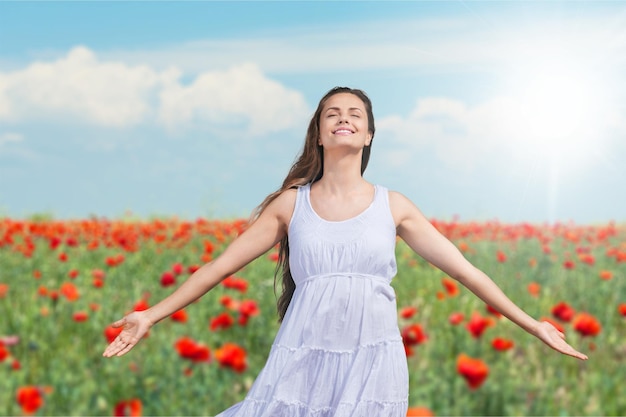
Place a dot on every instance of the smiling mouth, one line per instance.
(343, 131)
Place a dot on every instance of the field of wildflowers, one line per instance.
(63, 282)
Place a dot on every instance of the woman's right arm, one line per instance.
(263, 234)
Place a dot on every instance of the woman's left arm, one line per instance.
(415, 229)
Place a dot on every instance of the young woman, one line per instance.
(338, 351)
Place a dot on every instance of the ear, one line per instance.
(368, 142)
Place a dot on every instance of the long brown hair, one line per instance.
(308, 168)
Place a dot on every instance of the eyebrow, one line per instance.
(337, 108)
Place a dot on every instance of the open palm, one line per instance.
(556, 340)
(134, 327)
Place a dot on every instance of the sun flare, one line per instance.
(562, 107)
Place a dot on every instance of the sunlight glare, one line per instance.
(561, 107)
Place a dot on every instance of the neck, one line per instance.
(343, 173)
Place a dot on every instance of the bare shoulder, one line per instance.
(283, 205)
(403, 209)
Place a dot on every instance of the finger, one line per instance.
(121, 322)
(578, 355)
(116, 346)
(569, 350)
(111, 350)
(125, 350)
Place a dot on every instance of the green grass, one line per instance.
(55, 351)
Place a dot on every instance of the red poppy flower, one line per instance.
(622, 309)
(534, 289)
(273, 256)
(492, 311)
(249, 308)
(180, 316)
(111, 333)
(473, 370)
(188, 349)
(586, 324)
(502, 344)
(42, 291)
(229, 302)
(111, 261)
(30, 398)
(569, 264)
(450, 285)
(69, 291)
(606, 275)
(456, 318)
(73, 274)
(563, 311)
(4, 289)
(587, 258)
(80, 316)
(419, 412)
(63, 257)
(54, 242)
(235, 283)
(221, 321)
(141, 305)
(98, 274)
(168, 279)
(413, 334)
(408, 312)
(209, 247)
(130, 407)
(501, 256)
(232, 356)
(177, 268)
(478, 324)
(4, 353)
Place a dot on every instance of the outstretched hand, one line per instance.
(134, 327)
(554, 338)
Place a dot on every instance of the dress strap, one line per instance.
(300, 203)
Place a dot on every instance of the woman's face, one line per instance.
(343, 123)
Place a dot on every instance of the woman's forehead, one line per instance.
(344, 100)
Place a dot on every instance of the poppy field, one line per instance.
(62, 282)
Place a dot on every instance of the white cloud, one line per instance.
(437, 124)
(79, 87)
(495, 132)
(8, 137)
(239, 97)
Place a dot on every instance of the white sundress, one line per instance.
(338, 351)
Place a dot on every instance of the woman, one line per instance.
(338, 351)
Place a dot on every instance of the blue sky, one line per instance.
(484, 110)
